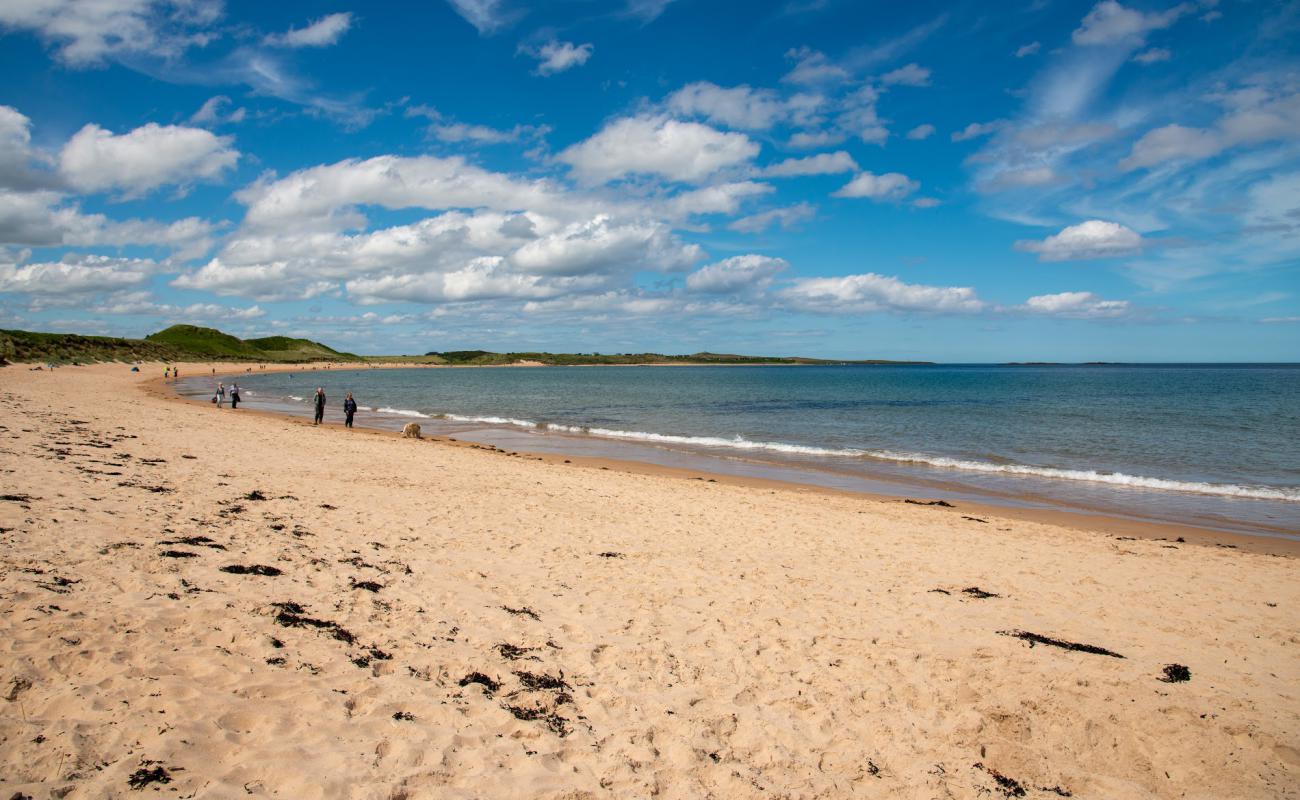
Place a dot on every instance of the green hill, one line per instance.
(177, 343)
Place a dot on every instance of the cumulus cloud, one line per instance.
(45, 219)
(144, 304)
(97, 160)
(813, 67)
(747, 273)
(1077, 305)
(721, 198)
(323, 32)
(870, 292)
(555, 56)
(910, 75)
(890, 186)
(820, 164)
(1088, 240)
(1252, 116)
(975, 130)
(76, 275)
(86, 33)
(602, 245)
(921, 132)
(742, 107)
(645, 145)
(1109, 23)
(787, 217)
(18, 159)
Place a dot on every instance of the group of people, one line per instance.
(220, 396)
(171, 373)
(349, 407)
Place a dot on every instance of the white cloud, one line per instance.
(210, 113)
(646, 10)
(1152, 56)
(722, 198)
(975, 130)
(96, 160)
(1027, 49)
(910, 75)
(807, 140)
(454, 132)
(890, 186)
(76, 275)
(480, 279)
(18, 158)
(921, 132)
(86, 33)
(1253, 116)
(320, 33)
(1077, 305)
(487, 16)
(820, 164)
(679, 151)
(742, 107)
(42, 219)
(786, 218)
(559, 56)
(1109, 23)
(143, 303)
(859, 117)
(1092, 239)
(747, 273)
(601, 245)
(322, 196)
(813, 67)
(859, 294)
(1018, 178)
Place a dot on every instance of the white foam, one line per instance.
(402, 412)
(1291, 494)
(295, 397)
(1288, 494)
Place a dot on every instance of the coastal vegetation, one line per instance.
(194, 343)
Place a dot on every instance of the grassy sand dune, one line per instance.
(229, 605)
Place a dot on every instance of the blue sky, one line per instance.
(1045, 180)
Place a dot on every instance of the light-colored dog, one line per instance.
(411, 431)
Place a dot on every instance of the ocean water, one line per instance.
(1213, 445)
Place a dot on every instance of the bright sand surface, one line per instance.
(650, 635)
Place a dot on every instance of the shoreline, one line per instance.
(1078, 519)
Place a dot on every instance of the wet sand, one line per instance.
(241, 604)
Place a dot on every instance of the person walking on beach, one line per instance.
(320, 405)
(349, 408)
(234, 395)
(221, 394)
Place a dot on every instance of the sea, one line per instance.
(1210, 445)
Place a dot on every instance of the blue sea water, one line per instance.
(1216, 445)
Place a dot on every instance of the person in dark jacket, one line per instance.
(320, 405)
(234, 395)
(349, 408)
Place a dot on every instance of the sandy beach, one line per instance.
(212, 603)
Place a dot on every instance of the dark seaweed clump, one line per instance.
(1036, 638)
(254, 569)
(1176, 673)
(293, 615)
(482, 680)
(147, 775)
(1010, 786)
(541, 682)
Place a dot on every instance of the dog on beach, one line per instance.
(411, 431)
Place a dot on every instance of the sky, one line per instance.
(951, 181)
